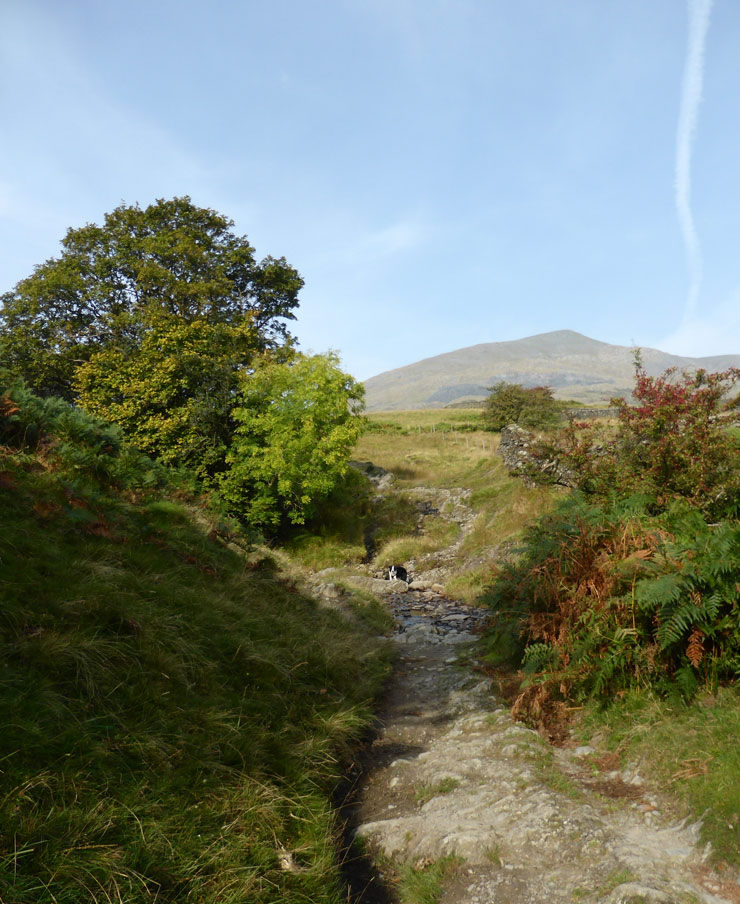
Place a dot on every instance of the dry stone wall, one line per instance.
(524, 457)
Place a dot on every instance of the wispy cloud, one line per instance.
(699, 13)
(714, 331)
(352, 244)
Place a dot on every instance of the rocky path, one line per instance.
(453, 775)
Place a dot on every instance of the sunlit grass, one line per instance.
(424, 448)
(423, 884)
(315, 552)
(689, 750)
(437, 536)
(416, 455)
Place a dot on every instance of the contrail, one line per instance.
(699, 13)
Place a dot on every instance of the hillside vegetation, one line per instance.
(628, 588)
(175, 711)
(175, 715)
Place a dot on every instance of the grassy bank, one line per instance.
(688, 751)
(175, 716)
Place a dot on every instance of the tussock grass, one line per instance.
(438, 535)
(368, 609)
(315, 552)
(174, 716)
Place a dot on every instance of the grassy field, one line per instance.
(176, 713)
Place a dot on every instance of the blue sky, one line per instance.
(441, 173)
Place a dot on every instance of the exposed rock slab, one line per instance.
(454, 774)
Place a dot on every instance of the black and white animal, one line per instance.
(397, 573)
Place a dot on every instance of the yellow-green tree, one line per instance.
(174, 393)
(297, 423)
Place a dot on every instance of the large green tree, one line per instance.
(112, 284)
(298, 422)
(173, 396)
(161, 321)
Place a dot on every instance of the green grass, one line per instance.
(690, 751)
(368, 609)
(416, 455)
(423, 884)
(425, 793)
(437, 535)
(175, 716)
(315, 552)
(549, 774)
(616, 878)
(430, 420)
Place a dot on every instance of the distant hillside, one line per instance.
(575, 366)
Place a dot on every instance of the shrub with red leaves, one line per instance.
(673, 443)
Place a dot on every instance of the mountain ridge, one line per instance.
(574, 365)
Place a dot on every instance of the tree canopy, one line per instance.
(111, 283)
(510, 403)
(297, 424)
(174, 393)
(162, 322)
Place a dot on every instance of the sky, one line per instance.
(441, 172)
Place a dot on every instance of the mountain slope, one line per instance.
(572, 364)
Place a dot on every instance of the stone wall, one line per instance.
(586, 414)
(525, 458)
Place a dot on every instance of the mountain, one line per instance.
(575, 366)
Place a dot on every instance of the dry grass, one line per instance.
(439, 535)
(428, 448)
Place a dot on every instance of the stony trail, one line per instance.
(451, 773)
